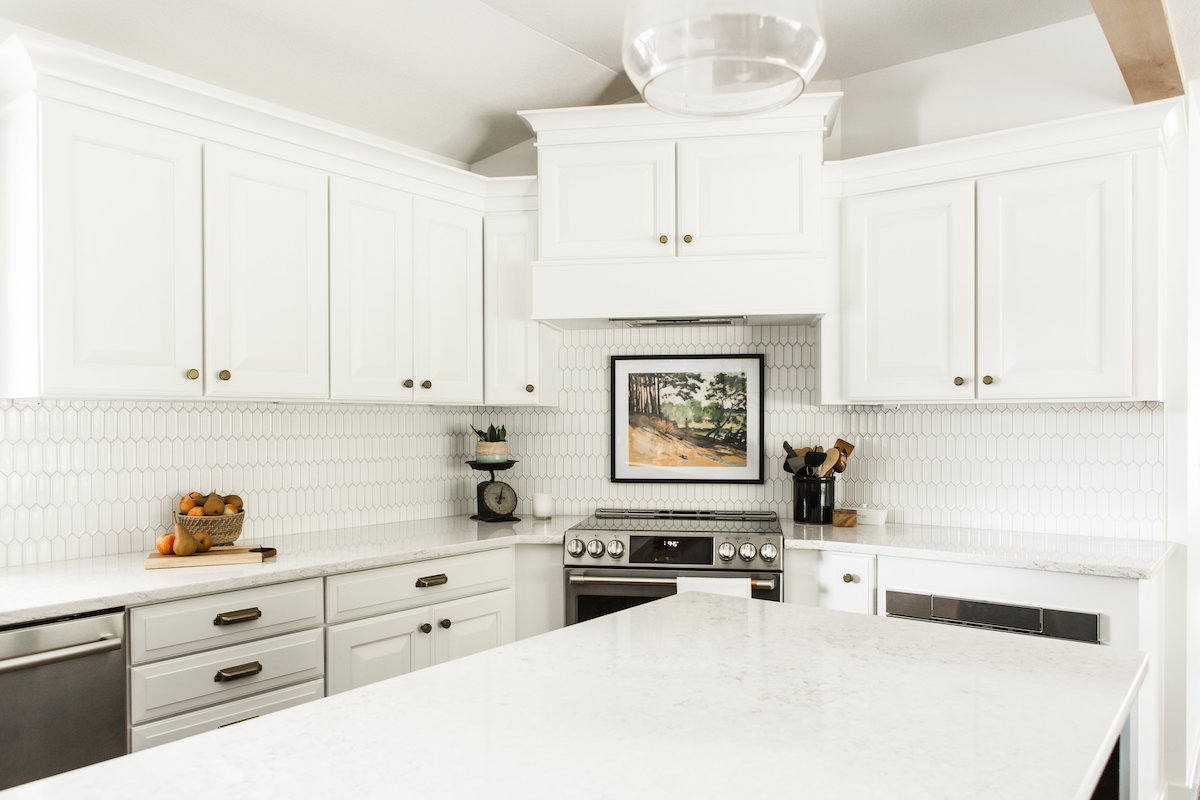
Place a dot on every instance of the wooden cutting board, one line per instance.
(218, 556)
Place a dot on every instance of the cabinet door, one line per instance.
(908, 295)
(372, 649)
(121, 281)
(473, 624)
(607, 200)
(1055, 282)
(266, 276)
(370, 291)
(518, 352)
(846, 582)
(749, 194)
(448, 312)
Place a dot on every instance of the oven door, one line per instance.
(592, 593)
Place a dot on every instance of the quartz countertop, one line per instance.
(55, 589)
(1051, 552)
(694, 695)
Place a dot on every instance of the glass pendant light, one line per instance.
(716, 58)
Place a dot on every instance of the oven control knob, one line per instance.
(769, 552)
(595, 548)
(575, 548)
(616, 548)
(726, 551)
(747, 551)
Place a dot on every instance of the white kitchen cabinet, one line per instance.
(703, 196)
(120, 298)
(908, 296)
(371, 291)
(376, 648)
(846, 582)
(1055, 276)
(520, 356)
(748, 194)
(266, 276)
(448, 311)
(607, 200)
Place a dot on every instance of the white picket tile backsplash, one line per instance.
(1095, 470)
(83, 478)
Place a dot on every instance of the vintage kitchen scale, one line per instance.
(495, 501)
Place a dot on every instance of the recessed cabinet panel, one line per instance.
(448, 317)
(908, 300)
(121, 292)
(373, 649)
(371, 291)
(266, 276)
(748, 194)
(1056, 282)
(846, 582)
(601, 200)
(475, 624)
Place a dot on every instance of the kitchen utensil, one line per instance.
(789, 454)
(794, 465)
(844, 518)
(831, 460)
(844, 446)
(211, 558)
(840, 466)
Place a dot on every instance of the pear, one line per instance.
(214, 506)
(185, 543)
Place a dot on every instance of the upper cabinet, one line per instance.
(266, 276)
(640, 214)
(120, 301)
(1035, 279)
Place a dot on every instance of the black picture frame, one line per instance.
(633, 458)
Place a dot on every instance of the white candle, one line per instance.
(543, 506)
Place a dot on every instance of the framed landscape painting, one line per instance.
(687, 419)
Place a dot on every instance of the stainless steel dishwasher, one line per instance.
(62, 695)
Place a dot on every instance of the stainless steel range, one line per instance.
(620, 558)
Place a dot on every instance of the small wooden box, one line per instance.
(845, 518)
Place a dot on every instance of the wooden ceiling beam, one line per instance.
(1139, 37)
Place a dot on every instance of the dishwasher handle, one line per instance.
(106, 644)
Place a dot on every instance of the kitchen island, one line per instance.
(694, 695)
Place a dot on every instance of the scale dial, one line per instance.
(497, 499)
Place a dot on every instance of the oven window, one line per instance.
(670, 550)
(590, 606)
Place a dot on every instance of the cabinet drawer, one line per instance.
(181, 684)
(378, 591)
(153, 734)
(846, 582)
(201, 623)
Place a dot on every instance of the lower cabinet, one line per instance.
(828, 579)
(370, 650)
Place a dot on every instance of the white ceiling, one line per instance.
(446, 76)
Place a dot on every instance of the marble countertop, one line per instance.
(1051, 552)
(695, 695)
(55, 589)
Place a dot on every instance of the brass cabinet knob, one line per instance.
(529, 387)
(847, 578)
(426, 628)
(408, 384)
(958, 381)
(987, 380)
(193, 374)
(445, 623)
(688, 238)
(426, 384)
(662, 239)
(224, 374)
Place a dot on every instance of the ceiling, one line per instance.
(446, 76)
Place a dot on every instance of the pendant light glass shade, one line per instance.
(716, 58)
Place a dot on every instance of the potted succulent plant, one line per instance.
(492, 444)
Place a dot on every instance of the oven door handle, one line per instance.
(766, 584)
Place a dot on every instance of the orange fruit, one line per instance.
(194, 495)
(230, 510)
(187, 504)
(195, 511)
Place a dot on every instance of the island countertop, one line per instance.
(694, 695)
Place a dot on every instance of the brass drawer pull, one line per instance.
(426, 628)
(234, 617)
(687, 239)
(408, 384)
(236, 721)
(959, 381)
(848, 578)
(426, 384)
(240, 671)
(445, 623)
(987, 380)
(224, 374)
(662, 240)
(432, 580)
(193, 374)
(529, 387)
